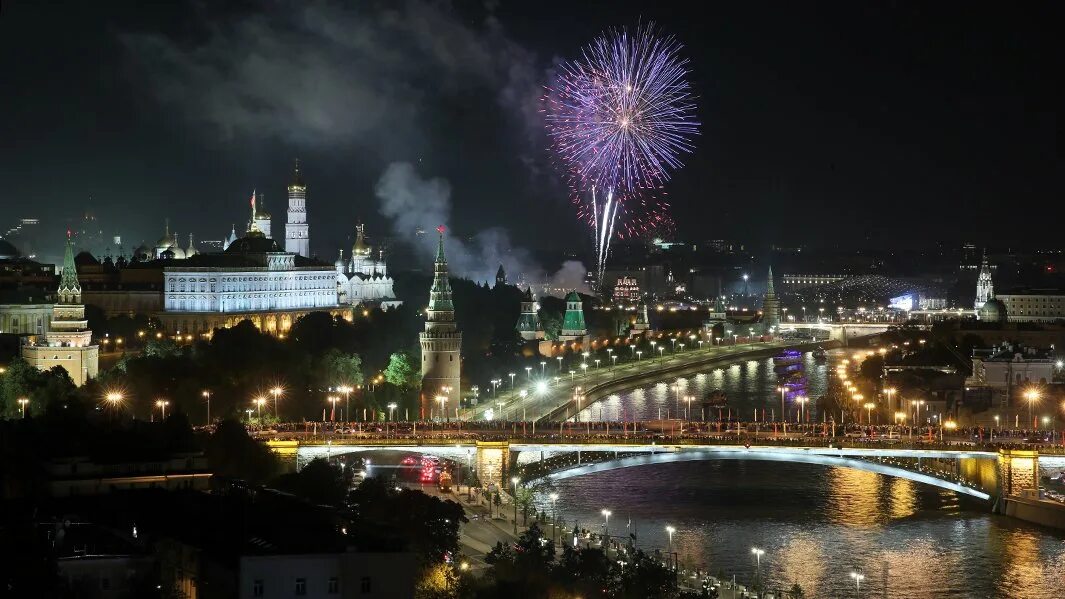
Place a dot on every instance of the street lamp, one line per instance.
(514, 489)
(206, 394)
(22, 401)
(528, 372)
(443, 405)
(758, 553)
(162, 404)
(511, 375)
(869, 411)
(346, 390)
(858, 578)
(1032, 395)
(559, 358)
(391, 410)
(332, 413)
(259, 401)
(554, 514)
(802, 406)
(606, 525)
(276, 391)
(543, 367)
(890, 392)
(782, 390)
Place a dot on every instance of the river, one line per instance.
(815, 524)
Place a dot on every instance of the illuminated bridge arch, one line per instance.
(771, 456)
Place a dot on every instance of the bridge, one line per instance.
(984, 474)
(842, 331)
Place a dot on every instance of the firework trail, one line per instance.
(619, 118)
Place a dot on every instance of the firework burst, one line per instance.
(619, 118)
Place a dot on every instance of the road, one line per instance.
(533, 396)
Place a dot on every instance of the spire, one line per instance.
(769, 284)
(69, 287)
(440, 248)
(440, 294)
(297, 176)
(360, 247)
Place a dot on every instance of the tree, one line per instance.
(335, 368)
(318, 481)
(401, 371)
(232, 453)
(796, 591)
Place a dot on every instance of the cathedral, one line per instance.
(364, 278)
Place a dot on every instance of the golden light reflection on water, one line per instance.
(902, 498)
(802, 560)
(1023, 574)
(854, 496)
(908, 569)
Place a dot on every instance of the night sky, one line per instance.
(823, 123)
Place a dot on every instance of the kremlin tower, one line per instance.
(441, 344)
(770, 306)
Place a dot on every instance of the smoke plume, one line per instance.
(415, 204)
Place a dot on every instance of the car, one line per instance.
(892, 436)
(855, 434)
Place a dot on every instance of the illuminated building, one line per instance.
(260, 218)
(529, 326)
(1033, 305)
(68, 342)
(364, 279)
(643, 322)
(985, 289)
(626, 290)
(501, 277)
(297, 233)
(441, 342)
(573, 327)
(801, 281)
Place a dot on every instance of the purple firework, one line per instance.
(619, 118)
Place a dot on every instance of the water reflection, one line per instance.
(818, 524)
(748, 386)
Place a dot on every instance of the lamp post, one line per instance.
(22, 401)
(670, 530)
(332, 414)
(511, 375)
(206, 393)
(890, 392)
(554, 515)
(391, 411)
(606, 526)
(858, 577)
(346, 390)
(559, 358)
(113, 398)
(443, 406)
(543, 368)
(758, 563)
(162, 404)
(782, 390)
(276, 392)
(869, 412)
(528, 372)
(514, 490)
(1032, 395)
(689, 399)
(802, 406)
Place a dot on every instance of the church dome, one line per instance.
(7, 251)
(85, 259)
(253, 244)
(993, 311)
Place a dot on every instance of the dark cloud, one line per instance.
(322, 73)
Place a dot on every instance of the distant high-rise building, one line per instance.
(441, 343)
(297, 233)
(985, 289)
(68, 343)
